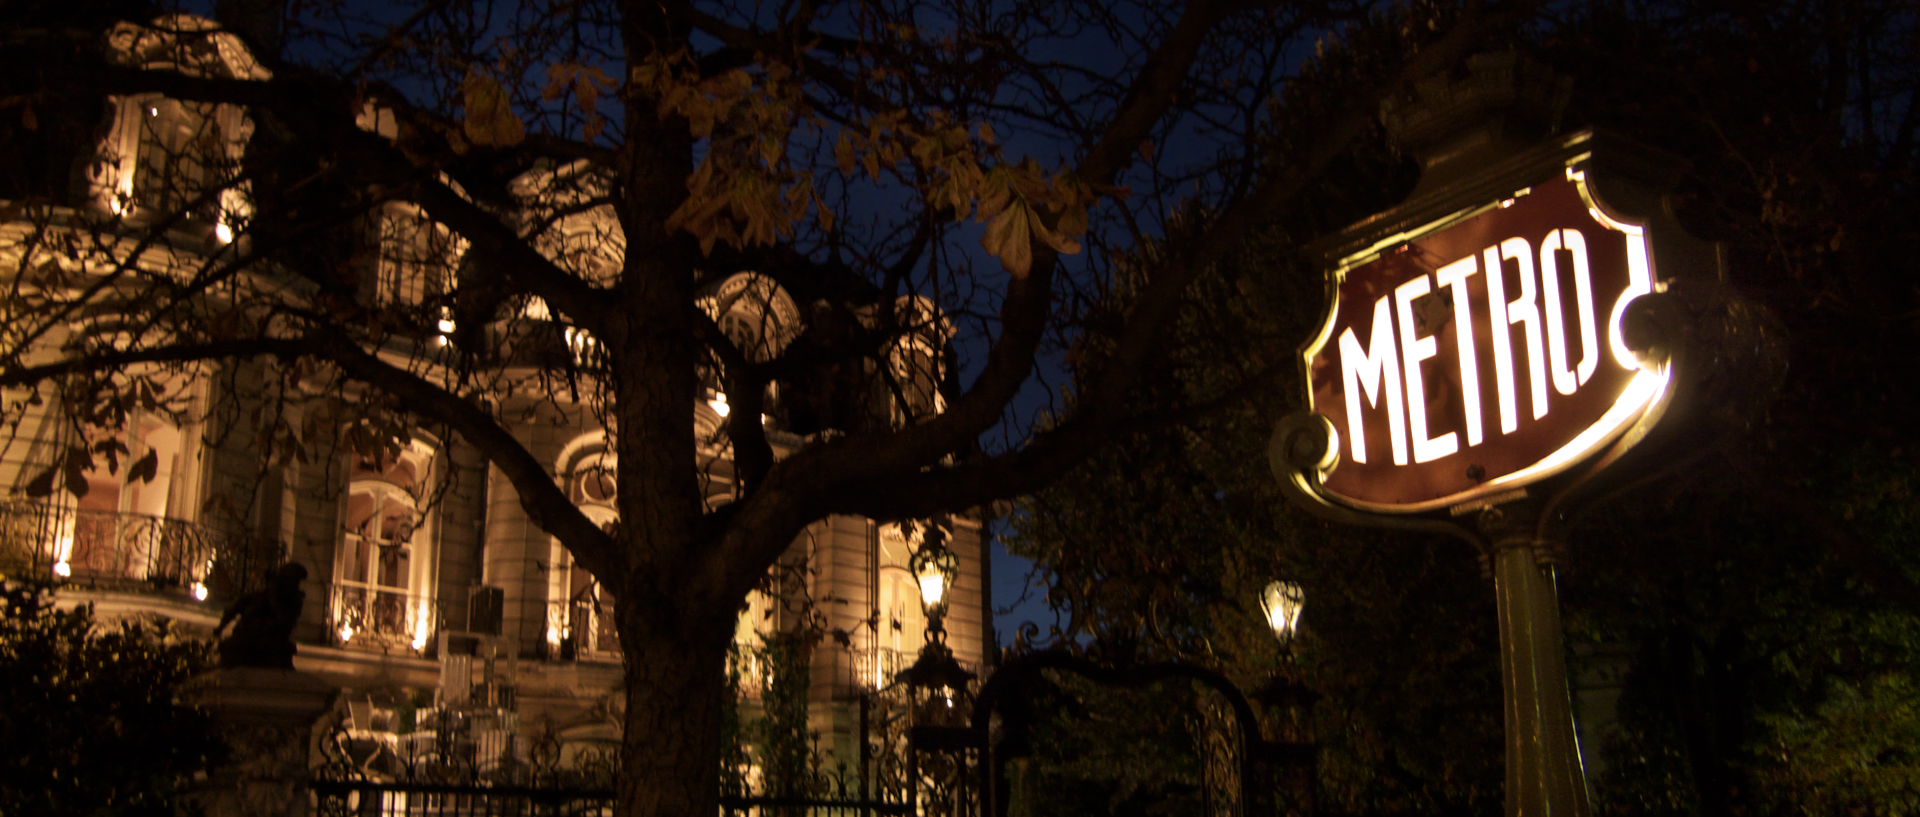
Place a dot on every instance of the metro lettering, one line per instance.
(1386, 374)
(1366, 370)
(1454, 277)
(1566, 381)
(1415, 348)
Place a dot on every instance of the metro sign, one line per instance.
(1483, 351)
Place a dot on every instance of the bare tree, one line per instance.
(559, 188)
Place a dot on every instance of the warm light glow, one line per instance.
(1568, 379)
(223, 233)
(422, 626)
(1283, 602)
(62, 569)
(346, 632)
(933, 586)
(445, 325)
(1639, 270)
(199, 591)
(1553, 334)
(719, 404)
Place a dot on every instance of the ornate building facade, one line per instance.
(429, 588)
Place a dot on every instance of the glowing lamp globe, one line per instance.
(1282, 602)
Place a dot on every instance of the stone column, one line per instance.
(266, 717)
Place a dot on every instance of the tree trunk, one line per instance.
(675, 677)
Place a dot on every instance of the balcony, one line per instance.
(382, 619)
(581, 630)
(128, 551)
(875, 667)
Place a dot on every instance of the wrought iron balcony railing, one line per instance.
(130, 551)
(382, 618)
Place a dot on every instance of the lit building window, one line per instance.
(914, 389)
(416, 259)
(580, 615)
(383, 575)
(179, 156)
(131, 521)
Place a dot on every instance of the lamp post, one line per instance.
(940, 701)
(936, 679)
(1282, 602)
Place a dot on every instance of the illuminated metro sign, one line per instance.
(1483, 351)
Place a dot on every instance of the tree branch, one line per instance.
(546, 505)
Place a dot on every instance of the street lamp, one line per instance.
(1283, 601)
(937, 683)
(1286, 754)
(935, 567)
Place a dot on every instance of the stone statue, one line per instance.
(263, 622)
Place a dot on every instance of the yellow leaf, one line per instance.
(490, 118)
(1009, 239)
(558, 77)
(994, 195)
(1073, 222)
(1060, 243)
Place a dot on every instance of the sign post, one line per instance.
(1490, 347)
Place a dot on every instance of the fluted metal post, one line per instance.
(1545, 777)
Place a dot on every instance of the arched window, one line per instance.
(132, 519)
(914, 394)
(166, 157)
(916, 362)
(750, 631)
(179, 155)
(743, 330)
(580, 612)
(758, 319)
(383, 576)
(168, 493)
(416, 259)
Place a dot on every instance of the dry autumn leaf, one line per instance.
(490, 119)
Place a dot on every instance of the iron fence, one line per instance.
(468, 761)
(366, 798)
(361, 798)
